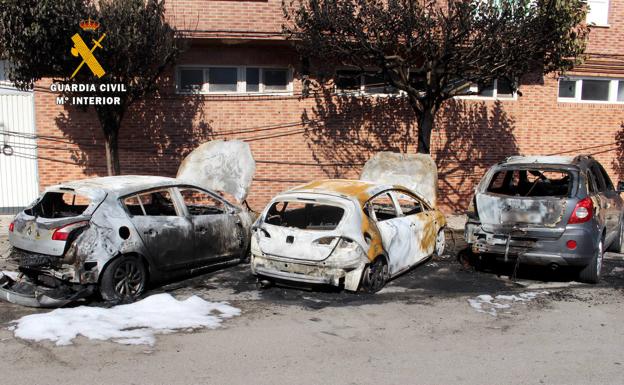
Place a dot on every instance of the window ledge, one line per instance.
(369, 95)
(485, 98)
(600, 26)
(598, 102)
(236, 94)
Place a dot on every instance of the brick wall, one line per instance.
(223, 17)
(296, 139)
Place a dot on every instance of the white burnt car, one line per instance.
(115, 234)
(354, 234)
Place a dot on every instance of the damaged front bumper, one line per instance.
(18, 289)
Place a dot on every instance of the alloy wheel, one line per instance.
(128, 279)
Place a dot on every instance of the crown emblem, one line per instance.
(89, 25)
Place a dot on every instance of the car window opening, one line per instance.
(304, 215)
(531, 183)
(154, 203)
(198, 202)
(383, 207)
(59, 205)
(409, 205)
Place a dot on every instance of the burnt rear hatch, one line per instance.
(533, 200)
(302, 229)
(40, 236)
(47, 226)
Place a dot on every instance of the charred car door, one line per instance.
(167, 236)
(606, 198)
(217, 229)
(422, 224)
(395, 230)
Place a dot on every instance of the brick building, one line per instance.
(247, 85)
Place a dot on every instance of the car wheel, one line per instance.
(375, 276)
(124, 280)
(591, 272)
(440, 243)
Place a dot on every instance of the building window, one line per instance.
(233, 80)
(275, 80)
(496, 89)
(368, 82)
(3, 68)
(598, 13)
(591, 90)
(222, 79)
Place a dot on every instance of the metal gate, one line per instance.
(19, 183)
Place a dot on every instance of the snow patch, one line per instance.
(132, 324)
(485, 303)
(393, 289)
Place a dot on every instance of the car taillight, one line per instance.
(328, 241)
(583, 211)
(11, 227)
(472, 212)
(62, 233)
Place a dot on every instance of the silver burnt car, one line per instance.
(549, 210)
(116, 234)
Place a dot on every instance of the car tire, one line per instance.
(591, 272)
(375, 276)
(440, 244)
(618, 244)
(124, 279)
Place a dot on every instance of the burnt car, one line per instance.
(353, 234)
(115, 234)
(549, 210)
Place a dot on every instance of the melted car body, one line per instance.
(550, 210)
(348, 233)
(113, 234)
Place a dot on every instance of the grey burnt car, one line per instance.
(551, 210)
(116, 234)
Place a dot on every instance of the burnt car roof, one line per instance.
(119, 185)
(548, 161)
(360, 190)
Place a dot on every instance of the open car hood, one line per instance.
(417, 172)
(220, 165)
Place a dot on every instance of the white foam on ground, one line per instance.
(485, 303)
(393, 289)
(132, 324)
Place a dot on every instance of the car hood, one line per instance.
(417, 172)
(220, 165)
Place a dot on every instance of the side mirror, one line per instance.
(620, 186)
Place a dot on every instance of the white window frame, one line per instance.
(475, 88)
(362, 90)
(602, 19)
(578, 91)
(241, 83)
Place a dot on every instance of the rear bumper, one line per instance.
(22, 292)
(535, 251)
(306, 271)
(44, 264)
